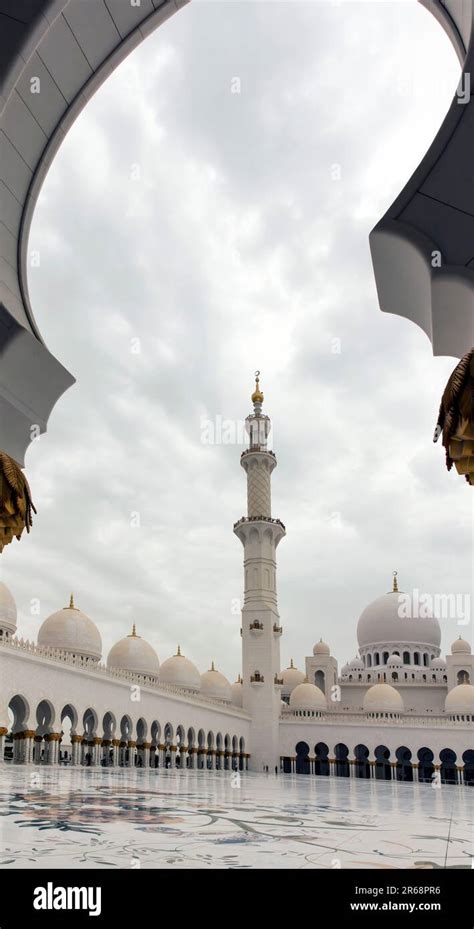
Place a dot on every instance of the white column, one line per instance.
(97, 751)
(29, 736)
(47, 750)
(52, 747)
(16, 748)
(38, 745)
(161, 756)
(131, 753)
(173, 756)
(116, 752)
(75, 749)
(3, 733)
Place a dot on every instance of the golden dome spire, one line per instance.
(133, 634)
(71, 603)
(178, 653)
(395, 582)
(257, 396)
(291, 663)
(212, 666)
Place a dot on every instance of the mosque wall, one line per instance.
(62, 684)
(434, 735)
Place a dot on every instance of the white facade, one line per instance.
(397, 709)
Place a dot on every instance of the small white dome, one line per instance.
(291, 677)
(460, 647)
(237, 692)
(438, 664)
(383, 698)
(345, 669)
(394, 662)
(460, 701)
(321, 648)
(180, 671)
(134, 654)
(356, 665)
(307, 696)
(72, 631)
(7, 610)
(214, 684)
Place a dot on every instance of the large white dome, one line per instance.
(180, 671)
(460, 701)
(72, 631)
(7, 610)
(307, 696)
(214, 684)
(134, 654)
(384, 622)
(383, 698)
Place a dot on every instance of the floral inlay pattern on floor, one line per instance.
(117, 818)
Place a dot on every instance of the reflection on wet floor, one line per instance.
(120, 818)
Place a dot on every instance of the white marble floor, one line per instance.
(116, 818)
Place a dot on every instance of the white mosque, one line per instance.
(397, 711)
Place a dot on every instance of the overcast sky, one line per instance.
(190, 234)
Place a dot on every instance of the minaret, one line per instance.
(261, 630)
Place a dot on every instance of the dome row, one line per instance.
(70, 630)
(383, 699)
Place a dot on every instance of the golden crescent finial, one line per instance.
(395, 582)
(257, 396)
(71, 602)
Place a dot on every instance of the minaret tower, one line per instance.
(261, 630)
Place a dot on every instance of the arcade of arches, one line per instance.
(401, 765)
(63, 738)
